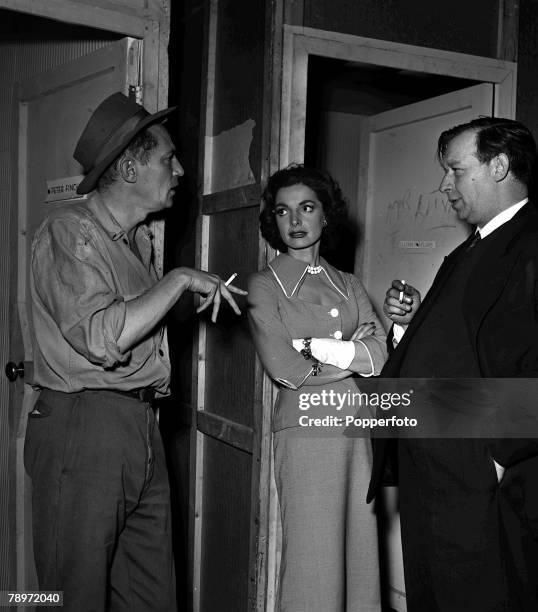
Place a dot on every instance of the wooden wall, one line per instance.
(237, 122)
(527, 65)
(460, 25)
(230, 187)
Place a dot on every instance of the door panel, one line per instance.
(410, 226)
(52, 109)
(225, 444)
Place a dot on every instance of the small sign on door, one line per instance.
(417, 244)
(64, 189)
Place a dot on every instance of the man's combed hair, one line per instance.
(140, 148)
(327, 191)
(494, 136)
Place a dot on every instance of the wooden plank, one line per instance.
(231, 199)
(508, 30)
(398, 55)
(73, 12)
(196, 481)
(264, 488)
(294, 12)
(208, 98)
(232, 433)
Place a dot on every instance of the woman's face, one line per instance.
(299, 217)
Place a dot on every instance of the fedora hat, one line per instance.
(112, 126)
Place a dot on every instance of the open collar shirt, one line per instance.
(82, 273)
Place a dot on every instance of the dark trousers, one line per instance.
(100, 502)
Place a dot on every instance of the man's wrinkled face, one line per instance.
(158, 178)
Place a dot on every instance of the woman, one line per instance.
(314, 328)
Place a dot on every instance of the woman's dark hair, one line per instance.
(327, 191)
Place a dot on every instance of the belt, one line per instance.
(146, 395)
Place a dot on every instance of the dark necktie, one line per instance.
(472, 240)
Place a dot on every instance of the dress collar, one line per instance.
(289, 272)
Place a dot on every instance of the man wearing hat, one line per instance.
(101, 513)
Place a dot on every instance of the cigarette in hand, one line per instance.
(230, 279)
(401, 296)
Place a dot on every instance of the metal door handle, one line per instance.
(13, 370)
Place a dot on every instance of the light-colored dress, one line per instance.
(329, 534)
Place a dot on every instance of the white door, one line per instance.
(52, 110)
(409, 225)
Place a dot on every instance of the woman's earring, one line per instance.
(324, 222)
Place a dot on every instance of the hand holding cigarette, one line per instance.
(401, 296)
(232, 277)
(401, 302)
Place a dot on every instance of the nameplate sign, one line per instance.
(64, 189)
(417, 244)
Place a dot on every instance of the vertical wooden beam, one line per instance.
(199, 341)
(508, 29)
(294, 12)
(265, 496)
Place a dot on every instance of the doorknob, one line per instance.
(13, 370)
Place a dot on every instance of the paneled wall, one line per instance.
(527, 65)
(459, 25)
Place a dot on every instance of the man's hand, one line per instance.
(146, 311)
(401, 302)
(212, 289)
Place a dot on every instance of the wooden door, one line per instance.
(52, 110)
(228, 550)
(409, 225)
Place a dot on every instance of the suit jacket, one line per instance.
(500, 308)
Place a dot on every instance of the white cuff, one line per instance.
(339, 353)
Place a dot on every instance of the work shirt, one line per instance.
(82, 273)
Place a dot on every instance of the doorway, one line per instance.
(39, 57)
(375, 128)
(370, 112)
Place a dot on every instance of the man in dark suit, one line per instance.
(469, 507)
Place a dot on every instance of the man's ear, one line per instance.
(500, 166)
(127, 169)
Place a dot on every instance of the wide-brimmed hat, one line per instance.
(112, 126)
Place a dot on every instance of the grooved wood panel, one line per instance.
(226, 531)
(240, 197)
(230, 354)
(124, 6)
(460, 25)
(239, 70)
(527, 83)
(6, 473)
(28, 46)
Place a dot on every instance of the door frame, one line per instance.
(298, 44)
(301, 42)
(153, 33)
(123, 53)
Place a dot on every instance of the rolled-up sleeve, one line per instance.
(272, 341)
(73, 282)
(375, 344)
